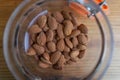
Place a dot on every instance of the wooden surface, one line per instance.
(113, 73)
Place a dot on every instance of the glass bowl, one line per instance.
(91, 67)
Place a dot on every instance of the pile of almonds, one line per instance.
(57, 39)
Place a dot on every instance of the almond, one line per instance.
(52, 23)
(74, 20)
(66, 15)
(75, 41)
(42, 21)
(58, 16)
(45, 61)
(31, 41)
(33, 37)
(66, 55)
(49, 35)
(39, 49)
(60, 63)
(41, 39)
(74, 54)
(60, 31)
(82, 39)
(75, 33)
(68, 27)
(46, 56)
(70, 62)
(83, 29)
(68, 43)
(51, 46)
(81, 54)
(43, 65)
(31, 52)
(46, 28)
(82, 47)
(55, 57)
(66, 49)
(60, 45)
(34, 29)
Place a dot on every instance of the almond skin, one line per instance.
(68, 27)
(52, 23)
(83, 29)
(58, 16)
(31, 52)
(34, 29)
(61, 45)
(42, 21)
(41, 39)
(51, 46)
(39, 49)
(49, 35)
(55, 57)
(66, 55)
(68, 43)
(60, 31)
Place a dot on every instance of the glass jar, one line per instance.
(91, 67)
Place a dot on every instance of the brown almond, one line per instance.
(39, 49)
(45, 61)
(61, 45)
(68, 43)
(31, 52)
(58, 16)
(75, 33)
(74, 19)
(75, 41)
(68, 27)
(42, 21)
(43, 65)
(51, 46)
(82, 47)
(74, 54)
(82, 39)
(34, 29)
(46, 28)
(81, 54)
(33, 37)
(60, 31)
(66, 55)
(49, 35)
(70, 62)
(41, 39)
(52, 23)
(66, 49)
(60, 63)
(46, 56)
(83, 29)
(66, 15)
(55, 57)
(31, 41)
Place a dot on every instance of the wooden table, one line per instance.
(113, 73)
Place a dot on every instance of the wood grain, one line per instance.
(113, 73)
